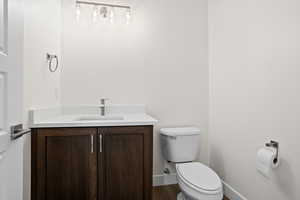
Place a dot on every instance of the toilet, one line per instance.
(196, 180)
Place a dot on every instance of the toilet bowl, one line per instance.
(198, 182)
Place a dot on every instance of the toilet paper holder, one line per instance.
(275, 145)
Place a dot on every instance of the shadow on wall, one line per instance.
(158, 163)
(285, 179)
(218, 163)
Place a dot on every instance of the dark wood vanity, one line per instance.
(101, 163)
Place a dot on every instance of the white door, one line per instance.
(11, 53)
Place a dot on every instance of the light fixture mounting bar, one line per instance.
(102, 4)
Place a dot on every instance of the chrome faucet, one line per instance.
(103, 106)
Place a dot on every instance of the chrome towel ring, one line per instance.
(50, 59)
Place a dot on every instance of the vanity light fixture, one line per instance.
(128, 16)
(105, 10)
(111, 15)
(95, 13)
(77, 12)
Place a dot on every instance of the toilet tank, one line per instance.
(180, 144)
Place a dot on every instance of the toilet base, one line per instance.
(180, 196)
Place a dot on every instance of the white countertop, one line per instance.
(68, 116)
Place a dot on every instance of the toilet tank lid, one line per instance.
(180, 131)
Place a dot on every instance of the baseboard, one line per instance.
(231, 193)
(164, 179)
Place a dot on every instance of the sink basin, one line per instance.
(99, 118)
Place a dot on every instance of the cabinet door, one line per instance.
(66, 164)
(127, 163)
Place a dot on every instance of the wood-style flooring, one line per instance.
(168, 192)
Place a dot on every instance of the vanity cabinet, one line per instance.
(127, 163)
(105, 163)
(64, 164)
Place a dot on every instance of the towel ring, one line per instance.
(50, 59)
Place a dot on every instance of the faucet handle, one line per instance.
(103, 100)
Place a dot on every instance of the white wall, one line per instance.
(41, 35)
(160, 60)
(254, 77)
(41, 88)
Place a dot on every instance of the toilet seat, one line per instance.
(199, 177)
(198, 182)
